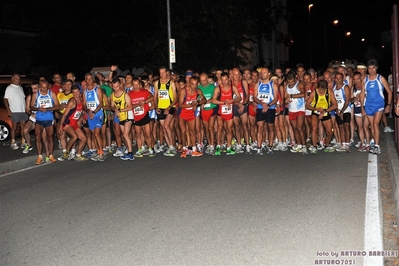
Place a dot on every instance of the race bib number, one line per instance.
(189, 102)
(207, 105)
(163, 95)
(138, 110)
(251, 98)
(77, 115)
(264, 98)
(45, 103)
(226, 109)
(91, 105)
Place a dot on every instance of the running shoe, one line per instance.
(248, 149)
(127, 156)
(217, 151)
(64, 157)
(312, 149)
(52, 159)
(377, 149)
(14, 146)
(27, 149)
(138, 154)
(388, 129)
(80, 158)
(230, 151)
(196, 153)
(119, 152)
(296, 149)
(259, 152)
(329, 149)
(169, 153)
(183, 154)
(151, 152)
(39, 160)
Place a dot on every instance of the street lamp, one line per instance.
(335, 22)
(347, 34)
(310, 38)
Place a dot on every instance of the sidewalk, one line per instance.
(14, 160)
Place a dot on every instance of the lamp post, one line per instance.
(310, 38)
(347, 34)
(335, 22)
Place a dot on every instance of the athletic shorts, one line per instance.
(162, 116)
(346, 118)
(236, 113)
(97, 121)
(45, 123)
(269, 116)
(19, 117)
(143, 121)
(295, 115)
(207, 114)
(73, 124)
(122, 123)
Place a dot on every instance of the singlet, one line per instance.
(75, 113)
(265, 94)
(208, 94)
(355, 93)
(120, 103)
(341, 98)
(188, 112)
(63, 99)
(92, 100)
(320, 101)
(44, 101)
(295, 104)
(165, 94)
(374, 91)
(225, 109)
(241, 91)
(140, 112)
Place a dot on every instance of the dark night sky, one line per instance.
(364, 19)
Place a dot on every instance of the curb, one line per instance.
(18, 164)
(393, 165)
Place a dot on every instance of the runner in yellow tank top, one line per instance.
(321, 102)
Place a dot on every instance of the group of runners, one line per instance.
(224, 111)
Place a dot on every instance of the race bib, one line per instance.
(138, 110)
(45, 103)
(77, 115)
(91, 105)
(226, 109)
(264, 98)
(163, 95)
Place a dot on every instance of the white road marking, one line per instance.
(373, 240)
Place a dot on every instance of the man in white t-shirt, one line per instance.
(14, 101)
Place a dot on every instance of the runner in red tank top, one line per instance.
(223, 96)
(188, 102)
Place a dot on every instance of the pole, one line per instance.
(169, 30)
(310, 38)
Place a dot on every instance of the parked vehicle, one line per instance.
(346, 63)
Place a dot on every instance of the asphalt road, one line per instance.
(276, 209)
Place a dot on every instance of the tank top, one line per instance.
(295, 104)
(120, 103)
(44, 101)
(265, 94)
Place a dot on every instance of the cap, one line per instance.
(361, 66)
(189, 74)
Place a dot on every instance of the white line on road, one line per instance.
(373, 219)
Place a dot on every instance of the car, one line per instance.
(346, 63)
(5, 120)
